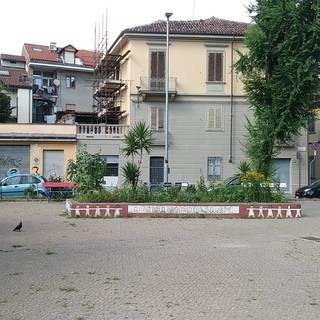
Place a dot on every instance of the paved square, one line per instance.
(151, 268)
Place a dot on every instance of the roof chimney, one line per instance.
(53, 46)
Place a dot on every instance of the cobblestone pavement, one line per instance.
(151, 268)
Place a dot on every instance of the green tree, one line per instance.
(5, 109)
(87, 171)
(137, 140)
(280, 73)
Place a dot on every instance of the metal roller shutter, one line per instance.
(53, 163)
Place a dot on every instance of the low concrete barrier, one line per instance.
(213, 210)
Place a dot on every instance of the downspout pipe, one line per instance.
(231, 105)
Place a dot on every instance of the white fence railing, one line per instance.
(101, 131)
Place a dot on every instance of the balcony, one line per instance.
(112, 131)
(101, 131)
(156, 87)
(45, 92)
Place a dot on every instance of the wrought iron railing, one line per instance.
(157, 84)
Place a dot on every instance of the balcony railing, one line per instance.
(101, 131)
(157, 84)
(44, 90)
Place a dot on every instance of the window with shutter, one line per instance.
(157, 119)
(215, 119)
(215, 66)
(71, 82)
(153, 118)
(157, 70)
(157, 64)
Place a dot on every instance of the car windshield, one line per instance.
(232, 180)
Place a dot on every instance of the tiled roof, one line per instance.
(16, 77)
(42, 53)
(87, 57)
(211, 26)
(12, 57)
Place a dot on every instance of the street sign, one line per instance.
(315, 145)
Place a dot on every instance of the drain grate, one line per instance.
(311, 238)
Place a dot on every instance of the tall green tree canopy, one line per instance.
(5, 109)
(280, 73)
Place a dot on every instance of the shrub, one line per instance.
(253, 191)
(86, 171)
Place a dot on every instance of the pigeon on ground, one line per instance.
(18, 227)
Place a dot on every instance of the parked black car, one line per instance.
(233, 181)
(310, 191)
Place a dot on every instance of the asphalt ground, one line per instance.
(157, 268)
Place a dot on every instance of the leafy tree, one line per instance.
(137, 140)
(86, 171)
(5, 110)
(280, 73)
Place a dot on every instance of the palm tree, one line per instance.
(137, 140)
(243, 168)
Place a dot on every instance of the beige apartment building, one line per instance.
(207, 109)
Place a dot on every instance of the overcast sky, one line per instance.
(82, 24)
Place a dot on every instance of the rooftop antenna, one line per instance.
(106, 30)
(95, 36)
(194, 4)
(102, 25)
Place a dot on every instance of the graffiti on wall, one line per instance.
(6, 161)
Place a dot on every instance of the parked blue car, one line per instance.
(21, 185)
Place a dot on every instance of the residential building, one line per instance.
(14, 75)
(62, 80)
(207, 109)
(46, 84)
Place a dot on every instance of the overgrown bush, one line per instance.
(249, 192)
(86, 171)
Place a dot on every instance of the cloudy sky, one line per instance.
(82, 24)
